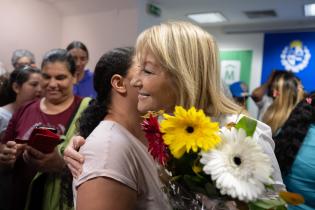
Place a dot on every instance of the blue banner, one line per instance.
(293, 52)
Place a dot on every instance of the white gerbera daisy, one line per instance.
(238, 166)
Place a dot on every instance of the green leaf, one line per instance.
(184, 164)
(281, 207)
(252, 206)
(277, 204)
(194, 183)
(175, 178)
(199, 180)
(248, 124)
(211, 190)
(270, 186)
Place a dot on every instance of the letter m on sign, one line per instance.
(230, 71)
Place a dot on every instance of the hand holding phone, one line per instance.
(43, 139)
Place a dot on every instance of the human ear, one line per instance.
(118, 83)
(15, 87)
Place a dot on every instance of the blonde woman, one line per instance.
(180, 66)
(287, 93)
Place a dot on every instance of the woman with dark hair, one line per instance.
(57, 110)
(117, 61)
(21, 86)
(84, 85)
(295, 147)
(118, 172)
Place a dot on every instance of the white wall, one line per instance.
(30, 24)
(101, 31)
(250, 41)
(38, 26)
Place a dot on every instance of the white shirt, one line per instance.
(263, 105)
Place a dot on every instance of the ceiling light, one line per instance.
(214, 17)
(309, 9)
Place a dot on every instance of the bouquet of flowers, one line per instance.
(211, 168)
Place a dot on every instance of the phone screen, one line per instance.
(54, 130)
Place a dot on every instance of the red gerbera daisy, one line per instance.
(157, 148)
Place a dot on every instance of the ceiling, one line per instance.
(77, 7)
(290, 13)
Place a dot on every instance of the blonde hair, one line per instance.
(190, 55)
(289, 94)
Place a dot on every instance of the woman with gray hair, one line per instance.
(22, 57)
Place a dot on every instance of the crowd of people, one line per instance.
(103, 160)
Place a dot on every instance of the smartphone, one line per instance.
(44, 139)
(54, 130)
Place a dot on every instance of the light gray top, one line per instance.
(5, 117)
(112, 151)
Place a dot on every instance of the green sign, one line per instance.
(236, 66)
(154, 10)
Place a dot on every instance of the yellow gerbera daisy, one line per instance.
(189, 130)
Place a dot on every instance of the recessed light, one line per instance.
(213, 17)
(309, 9)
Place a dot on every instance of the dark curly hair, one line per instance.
(20, 75)
(116, 61)
(293, 132)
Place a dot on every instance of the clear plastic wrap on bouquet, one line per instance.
(204, 166)
(183, 198)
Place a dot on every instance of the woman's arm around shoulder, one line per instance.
(104, 193)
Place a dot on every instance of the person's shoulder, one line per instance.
(89, 73)
(117, 131)
(32, 106)
(311, 131)
(112, 133)
(108, 153)
(312, 126)
(4, 113)
(33, 102)
(108, 139)
(29, 109)
(5, 117)
(265, 100)
(77, 99)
